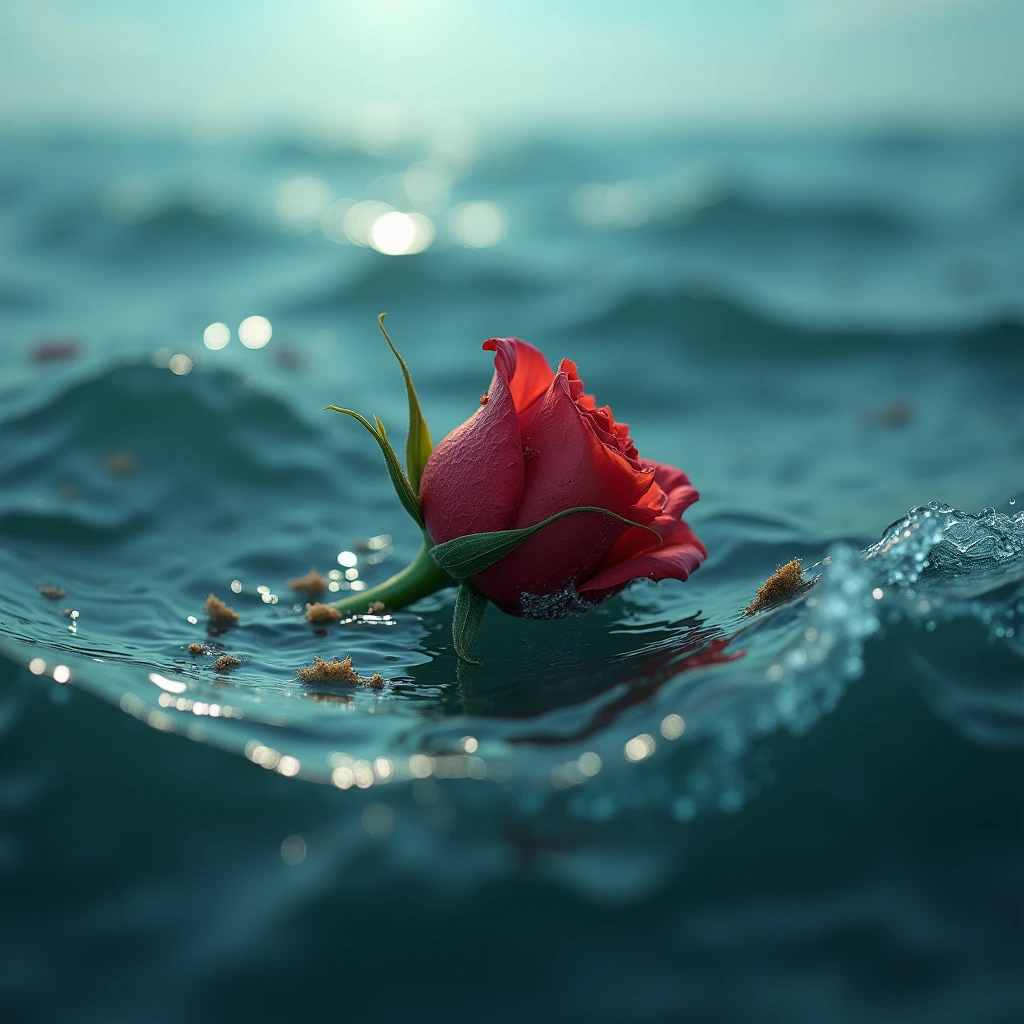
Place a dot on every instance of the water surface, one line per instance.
(810, 815)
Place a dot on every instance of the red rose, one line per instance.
(537, 446)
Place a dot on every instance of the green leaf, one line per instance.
(470, 606)
(418, 446)
(406, 495)
(466, 556)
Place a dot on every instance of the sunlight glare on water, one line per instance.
(255, 331)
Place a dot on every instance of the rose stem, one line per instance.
(418, 579)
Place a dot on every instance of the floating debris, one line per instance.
(376, 608)
(225, 662)
(333, 671)
(219, 611)
(122, 463)
(339, 673)
(322, 613)
(783, 582)
(896, 413)
(195, 650)
(53, 350)
(312, 583)
(53, 593)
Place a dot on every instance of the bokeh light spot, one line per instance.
(401, 234)
(255, 331)
(216, 336)
(478, 225)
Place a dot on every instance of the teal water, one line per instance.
(662, 809)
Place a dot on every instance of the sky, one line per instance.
(265, 64)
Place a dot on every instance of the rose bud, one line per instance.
(537, 446)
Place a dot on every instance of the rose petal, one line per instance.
(473, 479)
(524, 367)
(681, 494)
(679, 556)
(566, 466)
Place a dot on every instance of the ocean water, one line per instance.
(665, 809)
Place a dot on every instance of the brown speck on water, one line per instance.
(53, 593)
(195, 650)
(333, 671)
(69, 492)
(896, 414)
(122, 463)
(376, 608)
(340, 673)
(225, 662)
(219, 611)
(322, 613)
(786, 579)
(484, 399)
(52, 350)
(312, 583)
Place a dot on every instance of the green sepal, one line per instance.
(418, 445)
(466, 556)
(406, 495)
(470, 606)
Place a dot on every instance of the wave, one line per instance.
(174, 230)
(417, 281)
(936, 565)
(181, 429)
(698, 319)
(744, 217)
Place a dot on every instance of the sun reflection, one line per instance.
(672, 727)
(61, 673)
(420, 766)
(180, 364)
(216, 336)
(639, 747)
(37, 666)
(170, 685)
(254, 331)
(427, 186)
(360, 217)
(478, 225)
(401, 234)
(332, 223)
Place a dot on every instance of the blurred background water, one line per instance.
(807, 294)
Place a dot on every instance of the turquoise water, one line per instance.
(663, 808)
